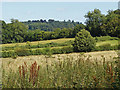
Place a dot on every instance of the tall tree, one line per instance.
(93, 22)
(112, 25)
(14, 32)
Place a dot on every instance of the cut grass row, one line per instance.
(111, 42)
(62, 40)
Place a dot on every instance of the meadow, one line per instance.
(74, 70)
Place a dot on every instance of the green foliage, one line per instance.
(84, 41)
(68, 49)
(111, 26)
(14, 32)
(14, 56)
(28, 45)
(21, 51)
(94, 21)
(37, 51)
(6, 54)
(49, 25)
(78, 28)
(100, 25)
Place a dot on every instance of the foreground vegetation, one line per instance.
(70, 71)
(0, 73)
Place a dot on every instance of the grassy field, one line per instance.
(112, 42)
(74, 70)
(41, 42)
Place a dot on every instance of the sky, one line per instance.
(24, 11)
(59, 0)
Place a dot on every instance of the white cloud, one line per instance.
(60, 0)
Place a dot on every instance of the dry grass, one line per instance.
(75, 70)
(41, 59)
(0, 72)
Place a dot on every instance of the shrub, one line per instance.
(28, 45)
(84, 41)
(56, 51)
(6, 54)
(21, 51)
(68, 49)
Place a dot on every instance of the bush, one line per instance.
(21, 51)
(68, 49)
(28, 45)
(56, 51)
(6, 54)
(84, 41)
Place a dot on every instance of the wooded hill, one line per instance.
(49, 25)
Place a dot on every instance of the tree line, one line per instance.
(49, 25)
(96, 23)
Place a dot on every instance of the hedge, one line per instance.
(49, 51)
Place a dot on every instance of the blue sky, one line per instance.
(24, 11)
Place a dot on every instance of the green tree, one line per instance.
(64, 33)
(2, 31)
(93, 22)
(112, 25)
(78, 28)
(16, 31)
(84, 41)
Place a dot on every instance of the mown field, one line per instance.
(41, 42)
(111, 42)
(62, 40)
(56, 46)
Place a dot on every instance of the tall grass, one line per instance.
(67, 73)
